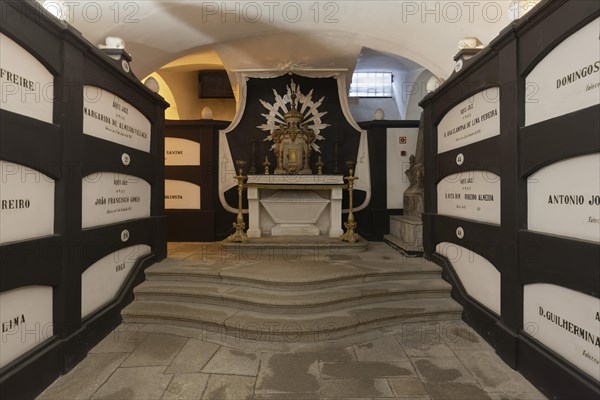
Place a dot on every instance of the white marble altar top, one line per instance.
(296, 179)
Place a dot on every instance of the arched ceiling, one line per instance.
(312, 34)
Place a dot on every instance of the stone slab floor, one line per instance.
(434, 360)
(441, 360)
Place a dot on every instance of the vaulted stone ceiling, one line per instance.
(276, 34)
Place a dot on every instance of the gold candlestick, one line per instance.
(239, 224)
(266, 165)
(350, 236)
(320, 165)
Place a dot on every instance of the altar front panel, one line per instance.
(295, 205)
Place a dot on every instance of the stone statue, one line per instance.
(413, 196)
(415, 174)
(406, 231)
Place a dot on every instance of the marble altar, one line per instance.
(295, 205)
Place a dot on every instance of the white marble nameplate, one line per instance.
(109, 117)
(472, 195)
(181, 152)
(566, 321)
(27, 202)
(479, 277)
(564, 198)
(567, 79)
(102, 281)
(27, 86)
(181, 195)
(26, 318)
(471, 121)
(110, 197)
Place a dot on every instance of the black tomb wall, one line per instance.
(547, 273)
(58, 164)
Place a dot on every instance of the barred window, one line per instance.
(371, 84)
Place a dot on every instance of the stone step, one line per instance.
(282, 274)
(310, 327)
(282, 245)
(301, 301)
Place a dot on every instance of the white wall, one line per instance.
(409, 88)
(363, 108)
(184, 86)
(397, 181)
(417, 91)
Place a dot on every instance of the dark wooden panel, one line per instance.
(32, 143)
(21, 21)
(45, 362)
(480, 238)
(561, 261)
(101, 241)
(541, 32)
(104, 156)
(31, 262)
(197, 225)
(480, 156)
(190, 226)
(190, 174)
(552, 375)
(566, 136)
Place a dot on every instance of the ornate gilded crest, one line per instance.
(294, 125)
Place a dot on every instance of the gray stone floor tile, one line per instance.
(140, 383)
(456, 391)
(355, 388)
(124, 339)
(442, 370)
(83, 380)
(156, 349)
(338, 354)
(366, 369)
(493, 374)
(233, 362)
(192, 357)
(426, 348)
(374, 398)
(517, 396)
(186, 387)
(288, 373)
(408, 388)
(427, 332)
(459, 335)
(386, 349)
(287, 396)
(225, 387)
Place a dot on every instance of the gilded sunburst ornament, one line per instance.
(307, 107)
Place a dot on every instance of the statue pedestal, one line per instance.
(406, 231)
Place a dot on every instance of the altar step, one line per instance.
(284, 301)
(295, 301)
(301, 275)
(282, 326)
(282, 245)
